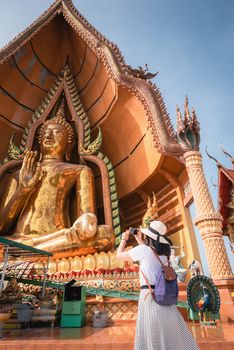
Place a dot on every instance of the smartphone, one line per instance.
(132, 230)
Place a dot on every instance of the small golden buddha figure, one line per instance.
(36, 205)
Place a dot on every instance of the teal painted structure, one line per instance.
(73, 309)
(194, 316)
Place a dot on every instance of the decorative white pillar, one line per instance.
(208, 221)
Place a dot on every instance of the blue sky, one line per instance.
(189, 42)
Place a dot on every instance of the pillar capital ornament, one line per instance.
(209, 225)
(193, 158)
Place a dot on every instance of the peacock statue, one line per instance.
(203, 298)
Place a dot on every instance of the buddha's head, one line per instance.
(56, 136)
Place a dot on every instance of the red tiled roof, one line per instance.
(226, 180)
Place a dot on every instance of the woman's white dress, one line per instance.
(158, 327)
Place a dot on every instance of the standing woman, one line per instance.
(158, 327)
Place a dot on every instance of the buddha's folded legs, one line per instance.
(35, 241)
(68, 238)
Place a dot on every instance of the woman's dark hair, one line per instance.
(159, 248)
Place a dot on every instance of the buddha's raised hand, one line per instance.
(30, 171)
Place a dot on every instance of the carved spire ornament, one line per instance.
(228, 155)
(152, 211)
(186, 110)
(94, 147)
(13, 151)
(188, 129)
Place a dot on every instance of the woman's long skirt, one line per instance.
(161, 327)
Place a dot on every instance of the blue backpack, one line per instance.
(166, 288)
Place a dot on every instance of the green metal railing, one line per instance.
(93, 291)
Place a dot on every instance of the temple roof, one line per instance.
(63, 33)
(130, 110)
(137, 135)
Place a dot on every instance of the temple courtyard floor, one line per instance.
(116, 337)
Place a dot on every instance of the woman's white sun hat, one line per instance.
(157, 231)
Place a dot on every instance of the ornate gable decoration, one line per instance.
(64, 83)
(146, 92)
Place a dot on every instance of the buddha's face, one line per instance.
(54, 140)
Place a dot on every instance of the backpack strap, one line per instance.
(147, 282)
(148, 285)
(169, 272)
(156, 255)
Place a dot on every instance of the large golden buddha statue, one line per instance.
(35, 207)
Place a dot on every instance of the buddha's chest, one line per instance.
(54, 182)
